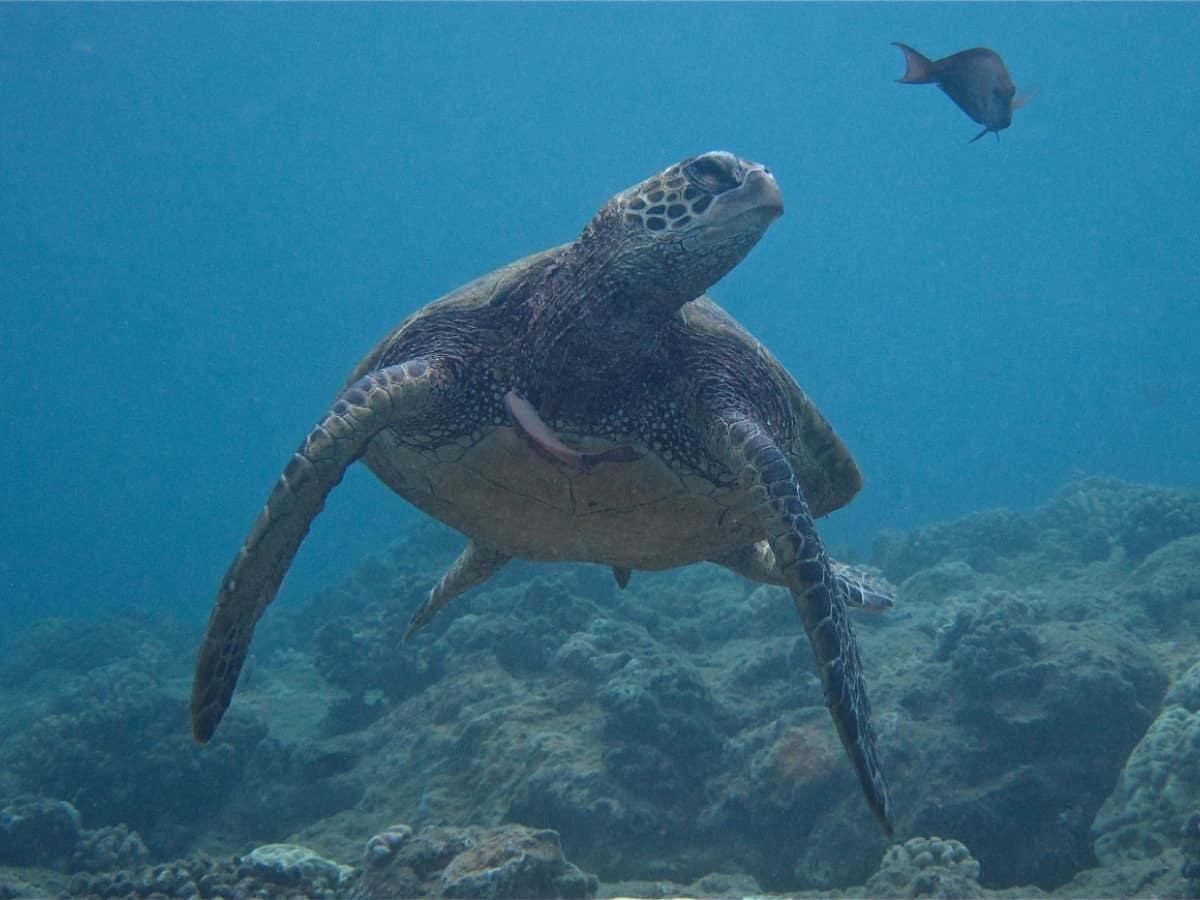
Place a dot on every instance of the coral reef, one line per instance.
(1166, 585)
(382, 847)
(204, 877)
(1190, 841)
(926, 867)
(117, 747)
(358, 654)
(1156, 519)
(48, 834)
(108, 848)
(116, 743)
(976, 540)
(1098, 514)
(1041, 715)
(283, 786)
(673, 728)
(81, 645)
(658, 719)
(293, 866)
(35, 831)
(669, 732)
(1159, 784)
(509, 861)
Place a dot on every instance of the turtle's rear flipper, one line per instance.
(391, 396)
(820, 593)
(754, 561)
(862, 588)
(474, 566)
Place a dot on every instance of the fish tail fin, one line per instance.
(620, 453)
(918, 68)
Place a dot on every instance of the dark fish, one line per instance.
(974, 79)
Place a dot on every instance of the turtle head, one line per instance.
(681, 231)
(596, 314)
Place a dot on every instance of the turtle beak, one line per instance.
(757, 197)
(762, 184)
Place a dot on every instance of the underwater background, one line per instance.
(209, 213)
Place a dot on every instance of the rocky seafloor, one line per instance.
(1036, 693)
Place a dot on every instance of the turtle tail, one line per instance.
(820, 594)
(379, 399)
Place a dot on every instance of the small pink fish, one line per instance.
(528, 420)
(975, 79)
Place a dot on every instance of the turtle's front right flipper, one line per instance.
(392, 396)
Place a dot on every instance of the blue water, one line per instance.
(209, 213)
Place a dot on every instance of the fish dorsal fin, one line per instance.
(535, 427)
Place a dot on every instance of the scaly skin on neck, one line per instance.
(597, 320)
(596, 316)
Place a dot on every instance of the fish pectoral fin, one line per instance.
(1023, 98)
(535, 428)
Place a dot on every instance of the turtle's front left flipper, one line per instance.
(820, 594)
(393, 396)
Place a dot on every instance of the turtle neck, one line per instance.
(596, 316)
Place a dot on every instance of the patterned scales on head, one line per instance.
(589, 403)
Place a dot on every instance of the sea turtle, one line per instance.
(589, 403)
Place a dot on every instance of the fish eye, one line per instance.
(713, 174)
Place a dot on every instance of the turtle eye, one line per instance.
(713, 173)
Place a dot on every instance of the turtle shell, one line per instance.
(659, 511)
